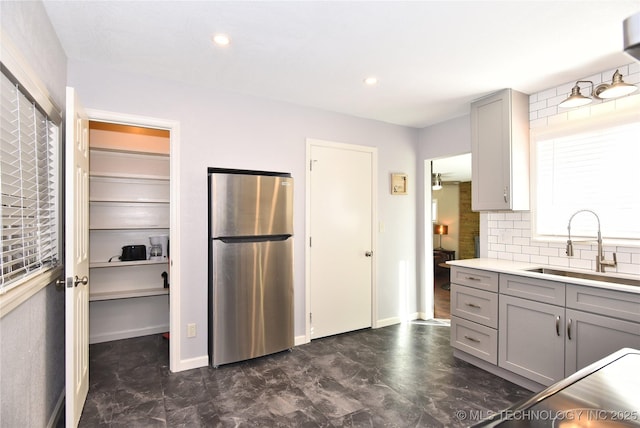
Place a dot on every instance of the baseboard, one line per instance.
(58, 410)
(395, 320)
(128, 334)
(300, 340)
(424, 316)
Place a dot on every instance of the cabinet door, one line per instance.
(591, 337)
(500, 151)
(531, 339)
(490, 152)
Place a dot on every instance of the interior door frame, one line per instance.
(174, 222)
(374, 221)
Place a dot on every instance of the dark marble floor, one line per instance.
(397, 376)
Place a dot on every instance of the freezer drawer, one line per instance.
(250, 205)
(252, 299)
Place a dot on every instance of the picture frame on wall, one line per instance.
(399, 184)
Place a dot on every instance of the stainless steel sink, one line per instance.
(586, 275)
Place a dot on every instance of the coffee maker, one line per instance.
(159, 247)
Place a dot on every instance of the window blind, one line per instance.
(599, 170)
(28, 186)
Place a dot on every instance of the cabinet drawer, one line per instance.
(613, 303)
(474, 339)
(476, 278)
(475, 305)
(533, 289)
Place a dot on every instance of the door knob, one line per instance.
(83, 281)
(368, 253)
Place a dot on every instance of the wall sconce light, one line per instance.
(436, 181)
(440, 229)
(617, 88)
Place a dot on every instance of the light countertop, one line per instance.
(521, 268)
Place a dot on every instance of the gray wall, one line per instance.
(224, 129)
(449, 138)
(32, 336)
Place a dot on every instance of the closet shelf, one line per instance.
(140, 227)
(118, 263)
(129, 176)
(128, 294)
(130, 201)
(119, 151)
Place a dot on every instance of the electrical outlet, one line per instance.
(191, 330)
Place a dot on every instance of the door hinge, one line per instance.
(309, 241)
(310, 318)
(311, 162)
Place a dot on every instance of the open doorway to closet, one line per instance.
(129, 229)
(455, 228)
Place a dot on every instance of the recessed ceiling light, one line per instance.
(371, 81)
(221, 39)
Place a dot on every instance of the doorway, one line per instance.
(340, 219)
(454, 227)
(155, 196)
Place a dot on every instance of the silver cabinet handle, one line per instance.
(473, 305)
(558, 325)
(83, 281)
(569, 329)
(472, 278)
(472, 339)
(504, 194)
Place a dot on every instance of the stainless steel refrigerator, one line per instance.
(250, 264)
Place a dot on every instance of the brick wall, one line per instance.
(509, 233)
(469, 223)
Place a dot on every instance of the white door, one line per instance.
(341, 262)
(76, 259)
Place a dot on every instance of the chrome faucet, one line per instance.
(601, 262)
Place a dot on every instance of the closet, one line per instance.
(128, 203)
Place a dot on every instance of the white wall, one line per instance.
(32, 335)
(223, 129)
(509, 233)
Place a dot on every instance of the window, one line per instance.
(29, 142)
(592, 165)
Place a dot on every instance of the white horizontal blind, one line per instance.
(599, 170)
(28, 187)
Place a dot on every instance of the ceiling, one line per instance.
(431, 57)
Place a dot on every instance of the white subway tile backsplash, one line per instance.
(543, 260)
(549, 93)
(557, 119)
(633, 269)
(559, 261)
(518, 240)
(546, 251)
(538, 105)
(579, 263)
(521, 258)
(531, 250)
(515, 249)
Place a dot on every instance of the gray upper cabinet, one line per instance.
(500, 151)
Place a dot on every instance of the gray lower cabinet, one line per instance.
(474, 313)
(599, 322)
(531, 339)
(591, 337)
(539, 329)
